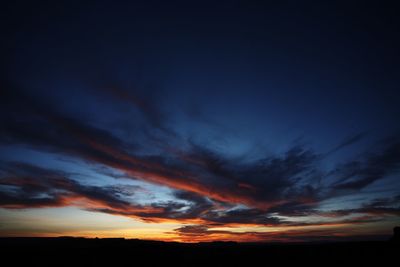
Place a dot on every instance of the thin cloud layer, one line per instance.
(210, 189)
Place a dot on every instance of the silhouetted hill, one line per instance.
(113, 251)
(396, 235)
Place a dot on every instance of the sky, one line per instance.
(200, 120)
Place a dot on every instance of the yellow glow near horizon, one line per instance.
(76, 222)
(70, 221)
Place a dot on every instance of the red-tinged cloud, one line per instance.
(256, 185)
(203, 233)
(28, 186)
(217, 190)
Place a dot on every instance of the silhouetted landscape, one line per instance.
(74, 250)
(199, 133)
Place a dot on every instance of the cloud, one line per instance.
(377, 207)
(242, 216)
(198, 206)
(356, 175)
(26, 186)
(349, 141)
(259, 184)
(142, 101)
(202, 233)
(210, 188)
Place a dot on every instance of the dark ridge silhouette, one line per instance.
(396, 235)
(78, 251)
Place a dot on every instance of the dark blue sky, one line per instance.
(220, 118)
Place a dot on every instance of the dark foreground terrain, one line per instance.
(125, 252)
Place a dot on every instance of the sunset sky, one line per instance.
(200, 121)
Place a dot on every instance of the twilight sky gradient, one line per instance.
(197, 121)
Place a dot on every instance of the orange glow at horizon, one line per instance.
(111, 226)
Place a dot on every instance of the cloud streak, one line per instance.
(210, 189)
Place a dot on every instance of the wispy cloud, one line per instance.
(210, 188)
